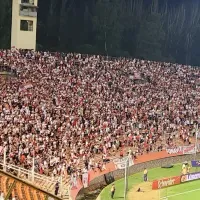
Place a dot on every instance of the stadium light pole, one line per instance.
(33, 170)
(61, 185)
(196, 140)
(4, 159)
(126, 178)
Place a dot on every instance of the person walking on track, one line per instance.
(112, 191)
(145, 176)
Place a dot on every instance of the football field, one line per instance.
(184, 191)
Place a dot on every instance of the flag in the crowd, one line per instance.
(1, 150)
(104, 149)
(25, 87)
(85, 179)
(120, 163)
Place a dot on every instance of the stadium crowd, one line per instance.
(63, 109)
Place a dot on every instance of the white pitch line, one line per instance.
(180, 193)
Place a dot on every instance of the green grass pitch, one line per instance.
(186, 191)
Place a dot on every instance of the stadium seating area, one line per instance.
(72, 112)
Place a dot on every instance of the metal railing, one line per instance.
(44, 182)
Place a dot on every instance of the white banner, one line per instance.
(174, 150)
(189, 149)
(182, 149)
(85, 179)
(120, 163)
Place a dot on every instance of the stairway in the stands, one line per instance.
(21, 191)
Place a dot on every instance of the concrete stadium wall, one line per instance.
(99, 182)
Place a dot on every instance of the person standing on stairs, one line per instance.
(56, 188)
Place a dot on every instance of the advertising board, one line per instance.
(190, 177)
(166, 182)
(195, 163)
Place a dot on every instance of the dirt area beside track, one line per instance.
(146, 194)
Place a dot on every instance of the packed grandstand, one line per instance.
(73, 112)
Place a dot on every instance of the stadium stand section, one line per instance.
(64, 114)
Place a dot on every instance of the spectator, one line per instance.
(56, 188)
